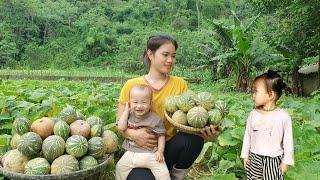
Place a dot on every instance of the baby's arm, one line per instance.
(123, 120)
(161, 145)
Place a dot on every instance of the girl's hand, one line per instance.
(245, 162)
(145, 138)
(159, 156)
(210, 133)
(283, 168)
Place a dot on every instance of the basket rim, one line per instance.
(83, 173)
(181, 127)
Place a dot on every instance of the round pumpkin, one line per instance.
(80, 127)
(94, 120)
(205, 100)
(62, 129)
(53, 147)
(21, 125)
(87, 162)
(14, 161)
(37, 166)
(68, 114)
(43, 127)
(30, 144)
(77, 146)
(170, 104)
(96, 147)
(180, 117)
(197, 117)
(110, 141)
(64, 164)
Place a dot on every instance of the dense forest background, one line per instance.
(217, 38)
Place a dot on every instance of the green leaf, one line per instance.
(226, 139)
(231, 176)
(238, 133)
(203, 152)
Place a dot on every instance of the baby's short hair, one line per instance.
(142, 87)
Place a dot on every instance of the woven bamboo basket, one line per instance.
(97, 173)
(181, 127)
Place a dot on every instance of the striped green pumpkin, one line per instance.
(53, 147)
(185, 102)
(94, 120)
(222, 107)
(68, 114)
(30, 144)
(21, 125)
(197, 117)
(64, 164)
(170, 104)
(96, 131)
(87, 162)
(215, 117)
(37, 166)
(205, 100)
(77, 146)
(62, 129)
(96, 147)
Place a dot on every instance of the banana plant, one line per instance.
(242, 50)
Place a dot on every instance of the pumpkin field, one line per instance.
(221, 159)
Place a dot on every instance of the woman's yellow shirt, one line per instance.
(174, 86)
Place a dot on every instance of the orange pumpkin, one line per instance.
(80, 127)
(43, 127)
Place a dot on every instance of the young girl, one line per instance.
(136, 115)
(268, 143)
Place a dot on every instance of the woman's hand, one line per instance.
(145, 138)
(210, 133)
(283, 168)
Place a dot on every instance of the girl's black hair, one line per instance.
(273, 82)
(154, 42)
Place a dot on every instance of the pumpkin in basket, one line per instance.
(94, 120)
(53, 147)
(87, 162)
(180, 117)
(170, 104)
(14, 161)
(110, 141)
(62, 129)
(197, 117)
(64, 164)
(77, 146)
(43, 127)
(21, 125)
(186, 101)
(80, 127)
(205, 100)
(68, 114)
(30, 144)
(215, 117)
(37, 166)
(96, 147)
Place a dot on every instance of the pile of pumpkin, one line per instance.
(69, 144)
(196, 109)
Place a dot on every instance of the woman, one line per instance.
(181, 149)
